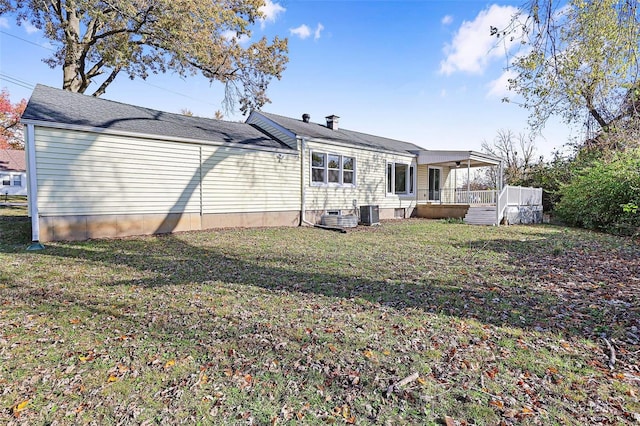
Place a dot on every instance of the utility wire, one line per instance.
(17, 81)
(27, 85)
(26, 41)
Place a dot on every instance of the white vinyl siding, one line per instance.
(241, 180)
(82, 173)
(370, 176)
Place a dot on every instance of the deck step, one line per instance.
(480, 216)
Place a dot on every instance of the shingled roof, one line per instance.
(320, 131)
(12, 160)
(73, 109)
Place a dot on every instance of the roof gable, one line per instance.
(319, 131)
(73, 109)
(12, 160)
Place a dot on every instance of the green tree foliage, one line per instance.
(550, 176)
(96, 40)
(579, 61)
(602, 196)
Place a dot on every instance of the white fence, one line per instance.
(517, 196)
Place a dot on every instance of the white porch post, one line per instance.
(468, 180)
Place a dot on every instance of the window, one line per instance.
(6, 180)
(17, 180)
(317, 167)
(400, 179)
(332, 169)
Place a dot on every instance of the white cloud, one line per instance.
(446, 20)
(28, 27)
(473, 48)
(232, 35)
(270, 10)
(319, 29)
(4, 22)
(302, 31)
(499, 88)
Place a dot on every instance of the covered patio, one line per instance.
(441, 196)
(442, 170)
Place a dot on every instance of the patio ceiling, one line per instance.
(455, 159)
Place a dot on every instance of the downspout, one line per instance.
(303, 192)
(32, 182)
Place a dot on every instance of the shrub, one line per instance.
(596, 197)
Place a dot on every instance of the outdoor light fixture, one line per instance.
(457, 164)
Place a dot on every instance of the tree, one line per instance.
(10, 127)
(98, 40)
(517, 154)
(579, 61)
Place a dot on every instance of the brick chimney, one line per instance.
(332, 122)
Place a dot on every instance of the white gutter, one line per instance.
(303, 192)
(32, 181)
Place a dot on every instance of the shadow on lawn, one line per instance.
(578, 292)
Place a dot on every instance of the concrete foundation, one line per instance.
(77, 228)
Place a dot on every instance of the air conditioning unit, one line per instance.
(369, 215)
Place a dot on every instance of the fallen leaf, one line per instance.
(448, 421)
(170, 363)
(19, 407)
(496, 403)
(112, 378)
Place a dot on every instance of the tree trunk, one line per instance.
(72, 73)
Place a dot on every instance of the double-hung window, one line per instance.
(400, 179)
(332, 169)
(17, 180)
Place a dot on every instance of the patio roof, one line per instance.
(457, 158)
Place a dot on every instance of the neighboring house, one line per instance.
(98, 168)
(13, 175)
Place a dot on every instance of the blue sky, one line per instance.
(422, 71)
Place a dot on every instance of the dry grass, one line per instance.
(280, 326)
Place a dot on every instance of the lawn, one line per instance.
(411, 322)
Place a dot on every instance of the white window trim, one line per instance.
(410, 182)
(326, 182)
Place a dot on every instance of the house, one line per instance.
(13, 175)
(98, 168)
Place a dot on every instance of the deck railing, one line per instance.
(456, 196)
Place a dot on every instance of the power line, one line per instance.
(27, 41)
(27, 85)
(17, 81)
